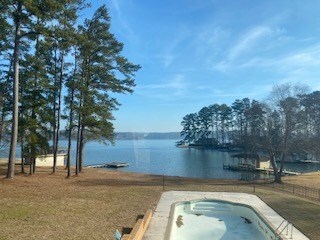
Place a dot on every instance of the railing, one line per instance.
(286, 227)
(174, 183)
(307, 192)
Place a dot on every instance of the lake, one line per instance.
(162, 157)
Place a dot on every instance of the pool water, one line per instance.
(211, 220)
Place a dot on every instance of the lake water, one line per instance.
(162, 157)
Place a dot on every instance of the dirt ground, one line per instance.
(94, 204)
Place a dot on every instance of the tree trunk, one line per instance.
(33, 130)
(55, 89)
(70, 133)
(71, 117)
(277, 177)
(1, 124)
(22, 153)
(217, 130)
(69, 147)
(58, 109)
(78, 145)
(277, 174)
(22, 136)
(3, 111)
(81, 148)
(32, 160)
(15, 110)
(31, 164)
(212, 131)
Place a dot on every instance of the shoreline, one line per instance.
(303, 175)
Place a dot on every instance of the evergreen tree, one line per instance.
(287, 124)
(34, 114)
(239, 108)
(205, 122)
(103, 70)
(190, 128)
(70, 107)
(29, 19)
(310, 110)
(5, 75)
(255, 117)
(214, 110)
(225, 117)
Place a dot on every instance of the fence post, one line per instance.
(319, 194)
(162, 182)
(293, 188)
(305, 192)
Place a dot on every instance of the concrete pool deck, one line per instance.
(159, 222)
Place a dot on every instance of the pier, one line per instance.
(110, 165)
(249, 167)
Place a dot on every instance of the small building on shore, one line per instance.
(46, 160)
(250, 160)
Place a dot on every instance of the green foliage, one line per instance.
(102, 70)
(288, 124)
(190, 128)
(35, 112)
(36, 38)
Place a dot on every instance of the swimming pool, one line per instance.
(209, 219)
(164, 217)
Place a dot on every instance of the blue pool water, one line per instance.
(215, 220)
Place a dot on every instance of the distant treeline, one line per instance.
(134, 135)
(153, 135)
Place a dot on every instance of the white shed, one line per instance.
(47, 160)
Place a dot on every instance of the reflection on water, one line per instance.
(162, 157)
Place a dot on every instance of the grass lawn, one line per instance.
(94, 204)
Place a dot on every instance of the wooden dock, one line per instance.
(116, 164)
(251, 168)
(110, 165)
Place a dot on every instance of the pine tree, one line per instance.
(29, 19)
(35, 117)
(103, 70)
(5, 75)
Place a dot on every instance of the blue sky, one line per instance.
(197, 53)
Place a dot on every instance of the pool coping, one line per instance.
(158, 226)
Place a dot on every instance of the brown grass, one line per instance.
(94, 204)
(311, 180)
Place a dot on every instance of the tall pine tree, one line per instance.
(102, 70)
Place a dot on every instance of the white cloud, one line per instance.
(115, 3)
(301, 58)
(167, 59)
(169, 54)
(249, 43)
(301, 65)
(126, 28)
(177, 86)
